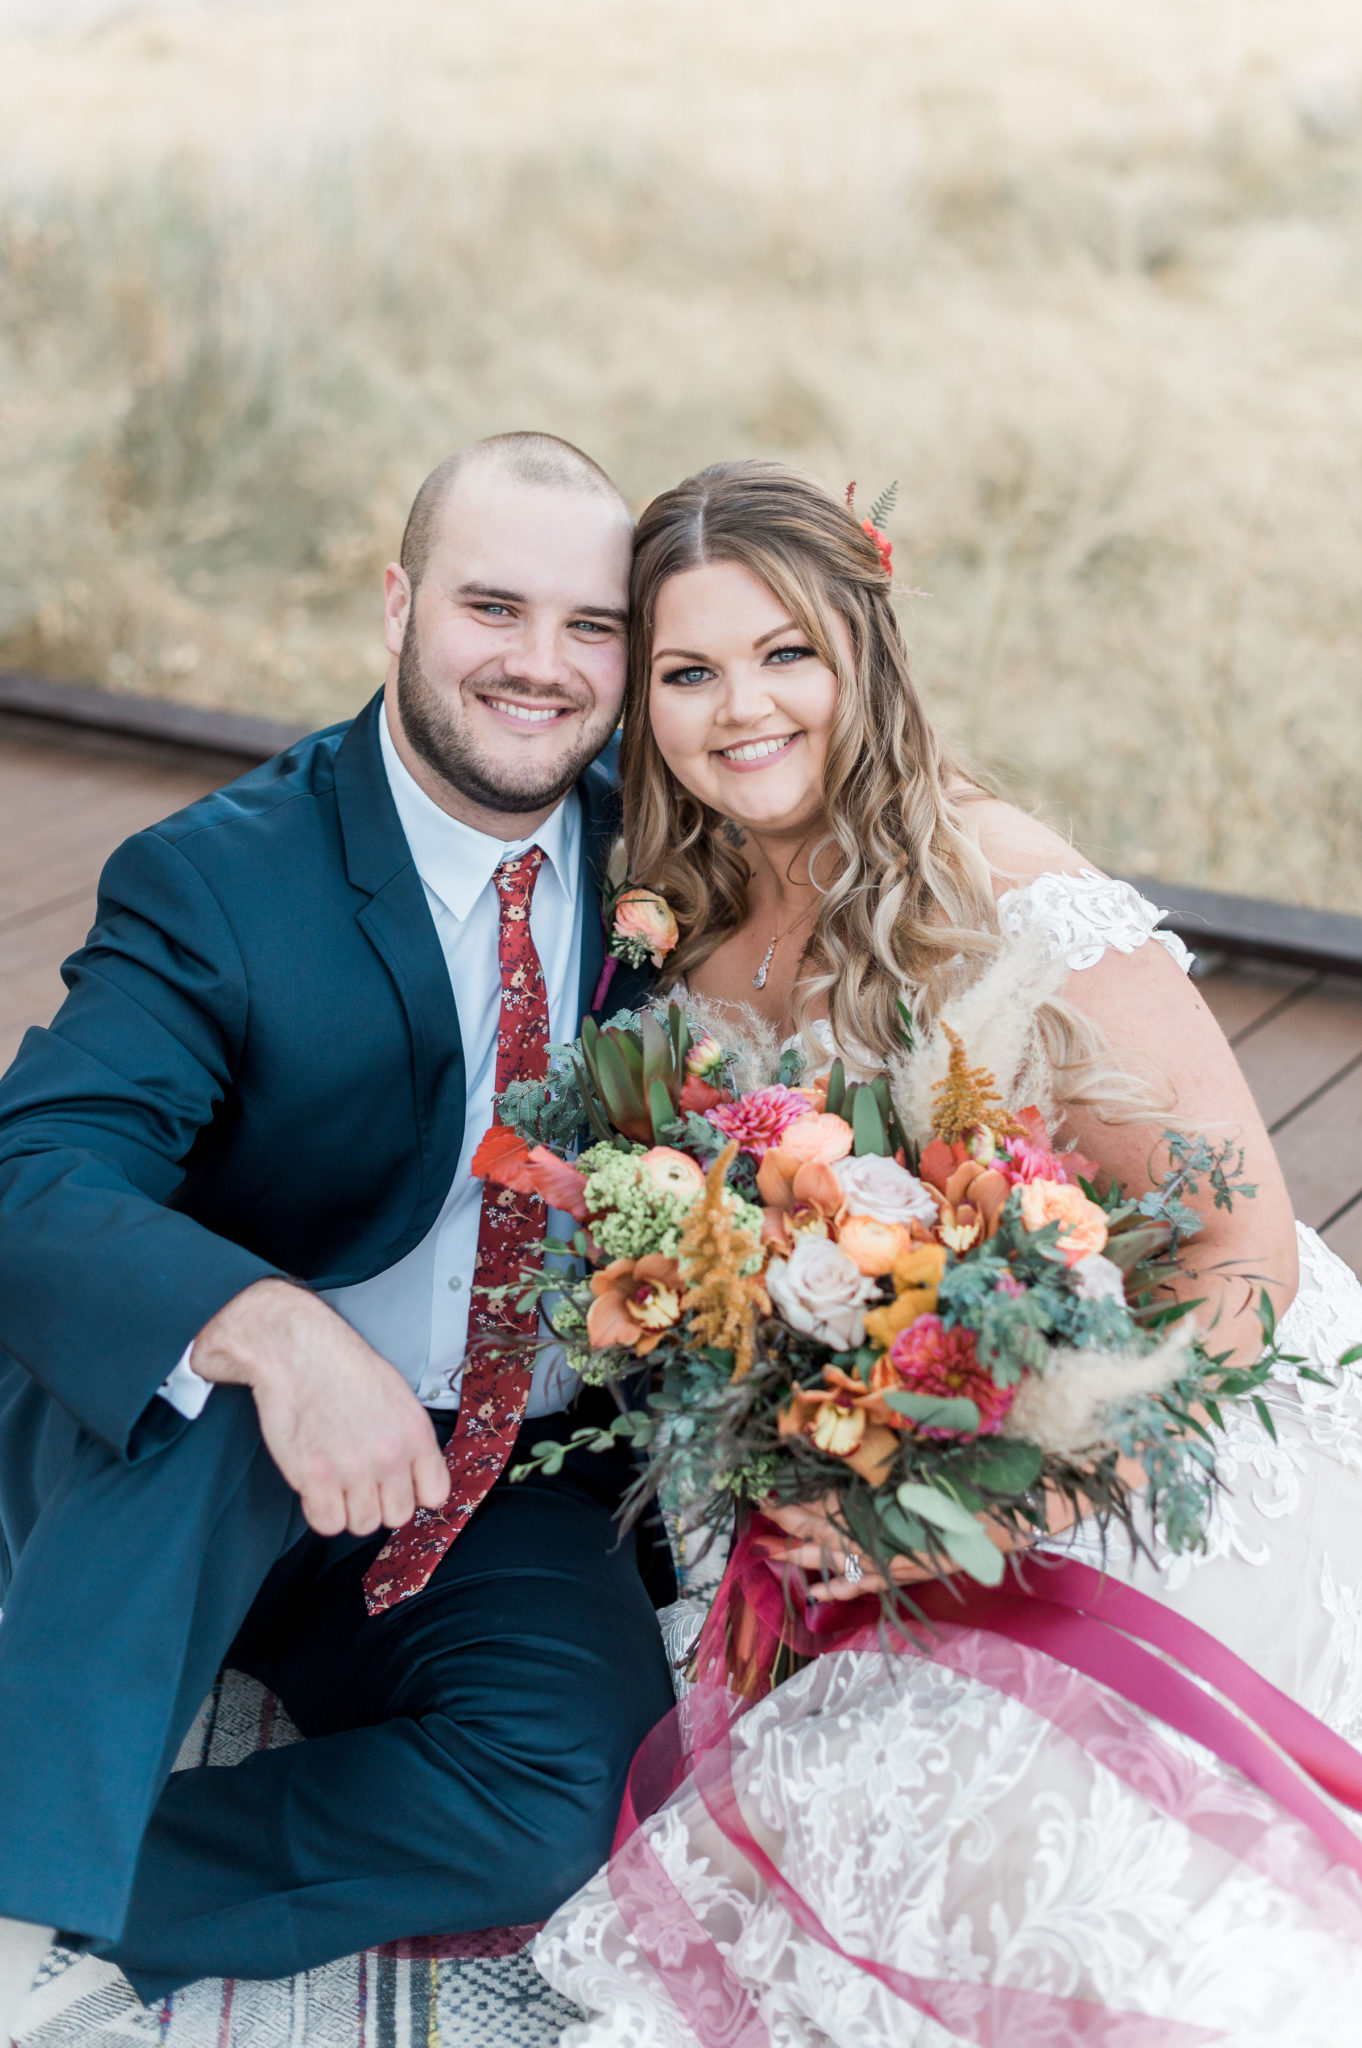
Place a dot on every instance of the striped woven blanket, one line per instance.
(467, 1991)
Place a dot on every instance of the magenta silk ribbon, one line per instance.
(1095, 1629)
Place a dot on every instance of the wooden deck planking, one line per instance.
(1240, 999)
(62, 812)
(63, 809)
(1301, 1047)
(1298, 1038)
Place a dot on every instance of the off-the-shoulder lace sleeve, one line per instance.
(1081, 915)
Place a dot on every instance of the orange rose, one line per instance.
(673, 1173)
(1083, 1225)
(817, 1138)
(874, 1246)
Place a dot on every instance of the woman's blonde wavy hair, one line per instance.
(908, 911)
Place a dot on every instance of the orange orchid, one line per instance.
(636, 1302)
(799, 1195)
(845, 1420)
(972, 1202)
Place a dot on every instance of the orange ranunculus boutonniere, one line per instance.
(642, 928)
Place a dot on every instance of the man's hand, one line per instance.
(341, 1424)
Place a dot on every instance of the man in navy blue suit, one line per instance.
(237, 1240)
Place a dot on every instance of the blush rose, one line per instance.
(821, 1292)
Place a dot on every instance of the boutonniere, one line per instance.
(642, 927)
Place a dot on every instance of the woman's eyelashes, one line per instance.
(696, 673)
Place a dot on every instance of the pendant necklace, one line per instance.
(759, 978)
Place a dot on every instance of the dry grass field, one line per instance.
(1086, 280)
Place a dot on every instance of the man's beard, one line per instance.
(443, 745)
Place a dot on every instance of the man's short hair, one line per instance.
(528, 457)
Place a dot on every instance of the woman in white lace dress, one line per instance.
(824, 855)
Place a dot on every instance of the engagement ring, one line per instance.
(853, 1571)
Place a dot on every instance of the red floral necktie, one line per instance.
(496, 1381)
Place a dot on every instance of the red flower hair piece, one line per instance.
(879, 511)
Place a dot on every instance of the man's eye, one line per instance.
(589, 626)
(783, 656)
(688, 675)
(493, 611)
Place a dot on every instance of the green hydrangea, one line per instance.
(748, 1217)
(630, 1216)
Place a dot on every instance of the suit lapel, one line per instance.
(396, 920)
(602, 814)
(626, 987)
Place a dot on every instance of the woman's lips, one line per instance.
(751, 754)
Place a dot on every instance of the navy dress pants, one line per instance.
(465, 1752)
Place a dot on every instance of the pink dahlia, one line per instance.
(930, 1359)
(1023, 1160)
(757, 1120)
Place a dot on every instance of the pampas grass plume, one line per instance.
(1069, 1409)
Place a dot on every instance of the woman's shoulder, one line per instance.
(1044, 884)
(1018, 847)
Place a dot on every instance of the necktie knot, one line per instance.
(515, 878)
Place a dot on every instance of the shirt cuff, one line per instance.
(184, 1389)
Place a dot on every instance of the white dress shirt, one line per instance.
(416, 1313)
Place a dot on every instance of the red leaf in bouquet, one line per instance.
(938, 1162)
(502, 1157)
(505, 1159)
(562, 1186)
(699, 1096)
(1036, 1127)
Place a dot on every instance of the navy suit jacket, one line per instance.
(257, 1070)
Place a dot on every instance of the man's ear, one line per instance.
(397, 597)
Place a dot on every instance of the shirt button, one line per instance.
(454, 1283)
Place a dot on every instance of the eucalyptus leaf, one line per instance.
(963, 1537)
(1004, 1465)
(930, 1411)
(906, 1533)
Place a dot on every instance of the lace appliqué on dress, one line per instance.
(1082, 915)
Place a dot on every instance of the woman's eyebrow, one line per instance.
(679, 654)
(775, 633)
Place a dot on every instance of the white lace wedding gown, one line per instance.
(943, 1827)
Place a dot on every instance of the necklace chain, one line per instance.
(759, 978)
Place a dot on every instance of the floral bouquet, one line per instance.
(796, 1300)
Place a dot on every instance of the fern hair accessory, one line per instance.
(874, 525)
